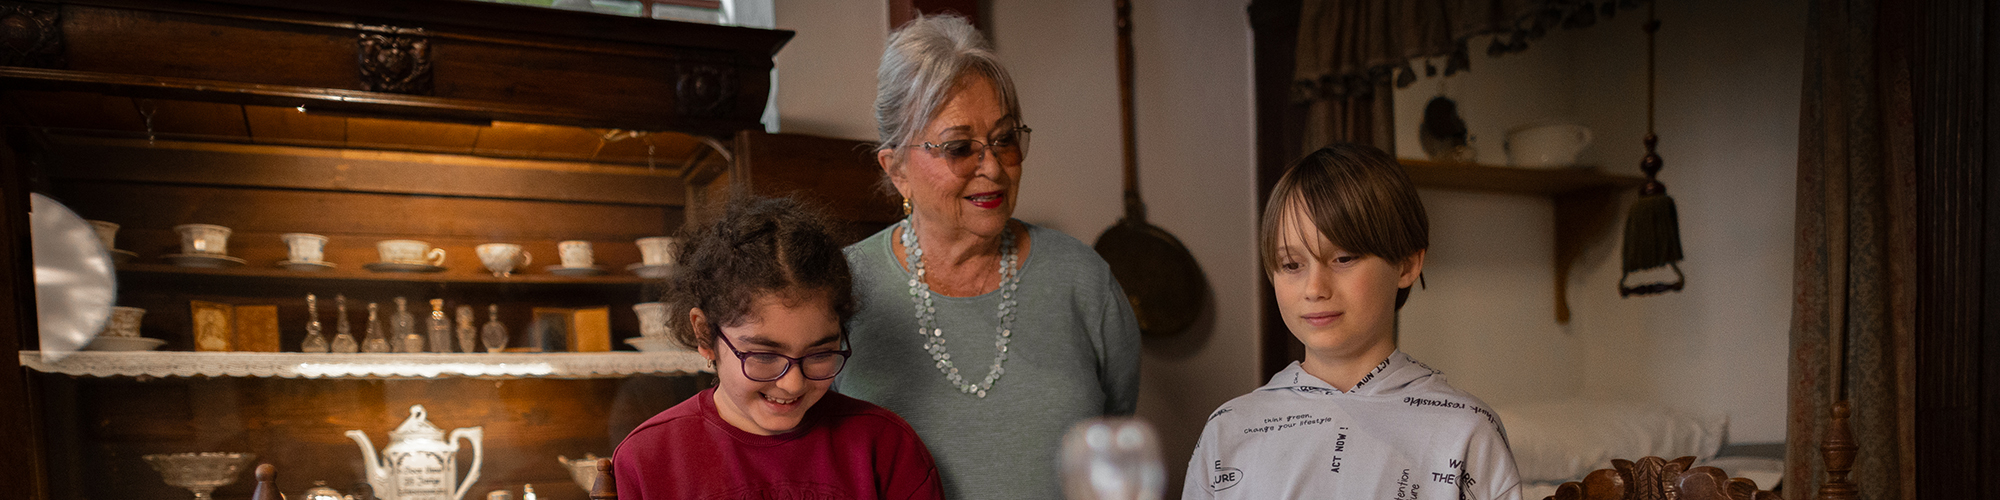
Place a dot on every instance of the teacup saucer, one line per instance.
(122, 256)
(306, 266)
(124, 344)
(652, 344)
(194, 260)
(395, 267)
(575, 271)
(655, 271)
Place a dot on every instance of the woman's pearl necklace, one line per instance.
(920, 296)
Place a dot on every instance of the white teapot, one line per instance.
(420, 463)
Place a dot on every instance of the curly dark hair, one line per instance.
(758, 246)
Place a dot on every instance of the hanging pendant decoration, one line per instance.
(1652, 227)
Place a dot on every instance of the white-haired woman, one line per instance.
(989, 335)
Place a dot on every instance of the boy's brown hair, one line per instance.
(1355, 195)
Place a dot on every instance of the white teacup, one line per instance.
(106, 232)
(305, 247)
(409, 252)
(575, 253)
(124, 322)
(503, 258)
(203, 239)
(658, 250)
(652, 319)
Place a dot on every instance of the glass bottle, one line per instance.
(494, 333)
(314, 342)
(375, 342)
(468, 335)
(440, 328)
(403, 329)
(343, 339)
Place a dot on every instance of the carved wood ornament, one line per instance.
(30, 36)
(395, 60)
(1654, 478)
(704, 90)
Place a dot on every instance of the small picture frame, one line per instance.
(213, 328)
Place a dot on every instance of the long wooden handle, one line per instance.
(1128, 119)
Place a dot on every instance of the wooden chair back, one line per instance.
(1654, 478)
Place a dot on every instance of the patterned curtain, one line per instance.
(1351, 51)
(1854, 259)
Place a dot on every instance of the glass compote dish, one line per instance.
(200, 473)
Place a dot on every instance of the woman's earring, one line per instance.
(906, 206)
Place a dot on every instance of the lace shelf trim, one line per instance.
(367, 366)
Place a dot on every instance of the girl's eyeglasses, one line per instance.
(770, 366)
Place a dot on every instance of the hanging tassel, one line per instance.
(1652, 227)
(1652, 231)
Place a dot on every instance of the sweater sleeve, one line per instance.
(1119, 360)
(1195, 485)
(911, 472)
(1491, 462)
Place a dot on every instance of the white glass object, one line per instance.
(305, 247)
(375, 341)
(503, 258)
(409, 252)
(575, 253)
(468, 336)
(493, 334)
(314, 342)
(1112, 458)
(200, 473)
(124, 322)
(658, 250)
(440, 327)
(652, 320)
(343, 338)
(203, 239)
(403, 329)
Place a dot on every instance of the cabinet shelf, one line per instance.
(368, 366)
(1585, 199)
(345, 274)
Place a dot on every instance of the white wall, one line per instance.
(1728, 98)
(1195, 153)
(1196, 171)
(826, 74)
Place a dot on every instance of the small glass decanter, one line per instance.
(468, 335)
(343, 338)
(403, 329)
(494, 333)
(440, 327)
(314, 342)
(375, 342)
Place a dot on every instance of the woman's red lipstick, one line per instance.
(987, 200)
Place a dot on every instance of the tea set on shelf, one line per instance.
(420, 463)
(207, 245)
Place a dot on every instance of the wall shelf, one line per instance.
(345, 273)
(1585, 198)
(368, 366)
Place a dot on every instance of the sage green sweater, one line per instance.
(1074, 354)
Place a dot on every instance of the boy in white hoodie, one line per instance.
(1343, 239)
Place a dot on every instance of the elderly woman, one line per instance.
(989, 335)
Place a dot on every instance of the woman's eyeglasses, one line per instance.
(964, 155)
(770, 366)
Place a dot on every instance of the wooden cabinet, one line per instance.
(457, 123)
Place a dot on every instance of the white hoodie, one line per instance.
(1401, 433)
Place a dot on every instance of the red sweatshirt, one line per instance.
(845, 448)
